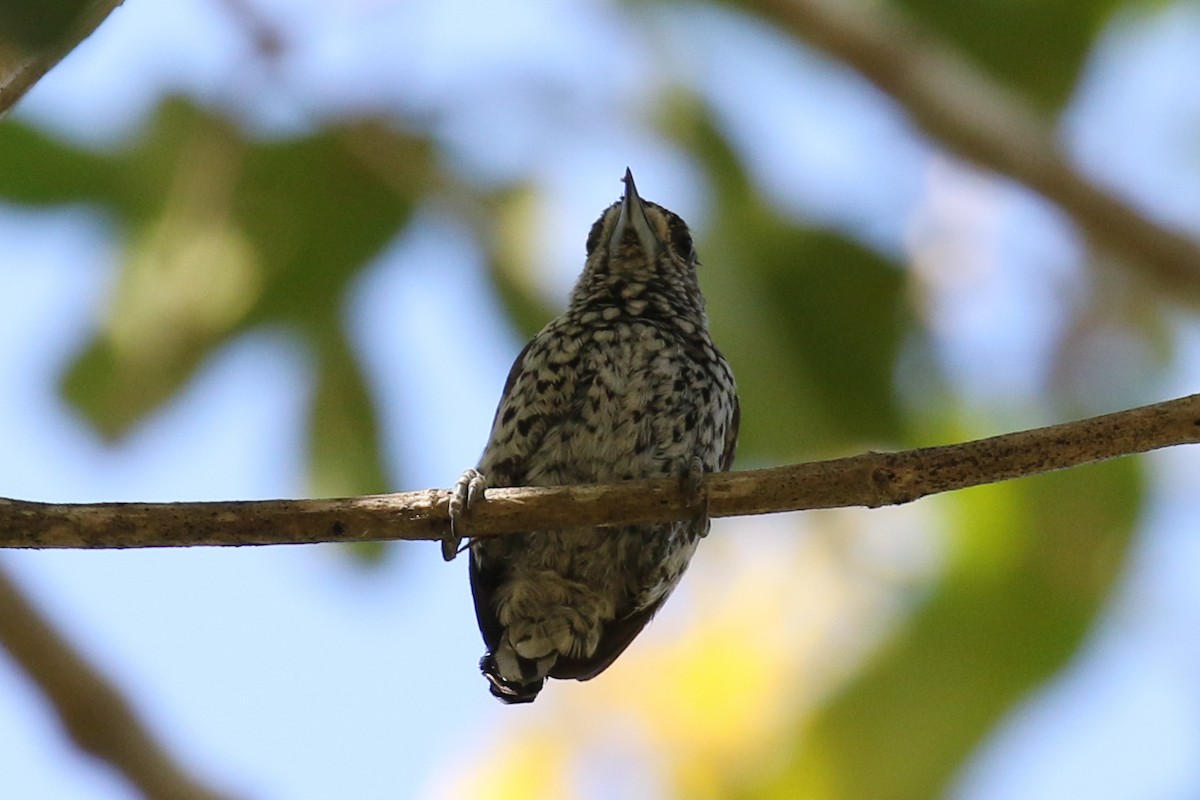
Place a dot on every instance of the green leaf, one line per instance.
(39, 170)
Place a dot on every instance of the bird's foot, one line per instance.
(467, 491)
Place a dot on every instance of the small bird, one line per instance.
(625, 384)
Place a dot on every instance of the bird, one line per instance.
(625, 384)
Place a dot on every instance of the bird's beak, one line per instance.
(633, 215)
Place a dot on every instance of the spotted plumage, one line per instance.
(626, 384)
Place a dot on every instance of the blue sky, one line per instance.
(291, 673)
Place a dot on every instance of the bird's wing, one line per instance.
(485, 580)
(731, 436)
(616, 637)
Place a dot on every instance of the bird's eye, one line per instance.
(681, 238)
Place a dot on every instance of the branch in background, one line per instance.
(21, 68)
(956, 104)
(871, 479)
(93, 712)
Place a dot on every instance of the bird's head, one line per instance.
(634, 235)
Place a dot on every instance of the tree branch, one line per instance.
(972, 115)
(92, 710)
(870, 479)
(20, 70)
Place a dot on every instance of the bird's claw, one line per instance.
(468, 490)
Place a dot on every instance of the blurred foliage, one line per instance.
(1031, 561)
(35, 25)
(813, 319)
(1037, 48)
(223, 232)
(820, 326)
(509, 236)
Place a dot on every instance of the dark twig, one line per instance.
(91, 710)
(20, 71)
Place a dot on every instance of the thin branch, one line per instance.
(20, 71)
(870, 479)
(977, 118)
(92, 710)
